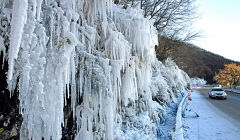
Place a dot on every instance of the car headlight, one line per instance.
(212, 93)
(224, 94)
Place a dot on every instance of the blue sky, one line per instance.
(220, 26)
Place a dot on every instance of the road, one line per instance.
(229, 107)
(219, 119)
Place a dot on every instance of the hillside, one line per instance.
(195, 61)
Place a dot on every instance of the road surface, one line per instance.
(219, 119)
(229, 107)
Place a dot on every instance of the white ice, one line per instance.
(98, 55)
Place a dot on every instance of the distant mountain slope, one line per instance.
(195, 61)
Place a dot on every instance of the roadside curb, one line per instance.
(178, 133)
(233, 90)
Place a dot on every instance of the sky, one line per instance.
(219, 24)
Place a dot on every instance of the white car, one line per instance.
(217, 93)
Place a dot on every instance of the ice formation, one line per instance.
(93, 52)
(19, 18)
(198, 82)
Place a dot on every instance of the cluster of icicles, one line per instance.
(93, 52)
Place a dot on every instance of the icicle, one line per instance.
(34, 7)
(39, 7)
(2, 49)
(19, 18)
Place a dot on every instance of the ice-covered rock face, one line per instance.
(91, 51)
(198, 82)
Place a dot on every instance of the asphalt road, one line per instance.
(230, 108)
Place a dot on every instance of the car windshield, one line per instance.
(217, 89)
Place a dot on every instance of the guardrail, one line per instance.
(178, 134)
(232, 90)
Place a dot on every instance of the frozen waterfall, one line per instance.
(93, 52)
